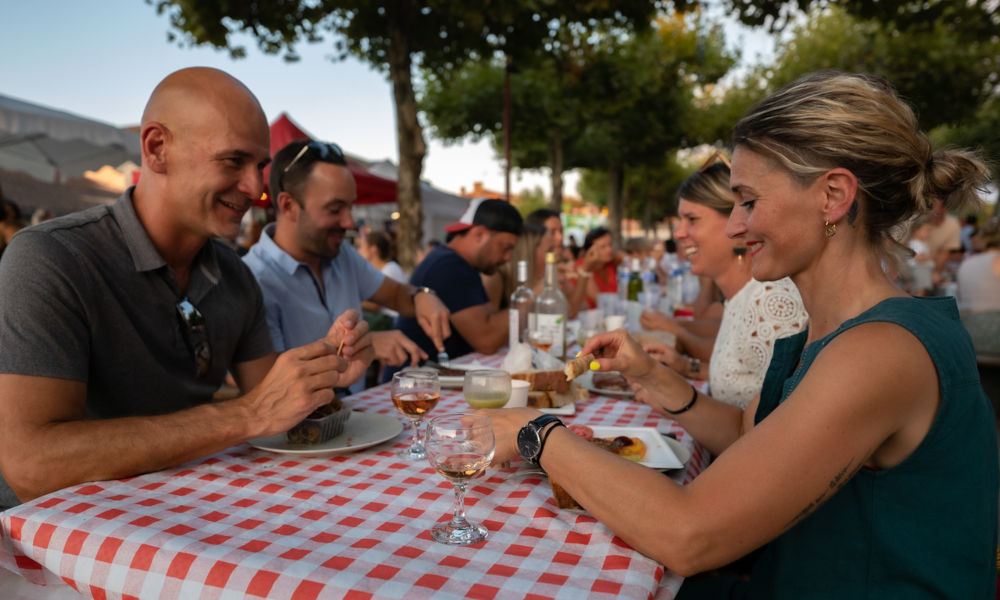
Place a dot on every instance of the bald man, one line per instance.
(118, 323)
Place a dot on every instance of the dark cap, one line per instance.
(495, 215)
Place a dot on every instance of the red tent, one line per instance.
(372, 189)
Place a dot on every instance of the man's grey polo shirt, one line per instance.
(87, 297)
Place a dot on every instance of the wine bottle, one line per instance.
(550, 309)
(522, 301)
(634, 282)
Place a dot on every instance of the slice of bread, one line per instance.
(544, 381)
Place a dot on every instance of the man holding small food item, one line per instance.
(309, 276)
(119, 323)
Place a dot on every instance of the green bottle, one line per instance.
(634, 281)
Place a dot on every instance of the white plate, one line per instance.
(361, 431)
(587, 382)
(659, 454)
(566, 410)
(456, 381)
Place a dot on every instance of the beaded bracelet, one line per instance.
(687, 407)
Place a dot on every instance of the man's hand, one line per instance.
(301, 380)
(394, 348)
(350, 339)
(433, 317)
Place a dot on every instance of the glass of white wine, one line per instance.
(415, 392)
(486, 388)
(459, 447)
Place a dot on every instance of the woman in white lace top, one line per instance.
(756, 313)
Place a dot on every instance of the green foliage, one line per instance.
(530, 201)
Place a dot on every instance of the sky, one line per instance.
(101, 58)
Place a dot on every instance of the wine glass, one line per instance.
(460, 447)
(486, 388)
(415, 392)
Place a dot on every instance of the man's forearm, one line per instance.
(72, 452)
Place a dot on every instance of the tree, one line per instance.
(618, 99)
(393, 36)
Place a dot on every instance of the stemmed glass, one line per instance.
(460, 447)
(486, 388)
(415, 392)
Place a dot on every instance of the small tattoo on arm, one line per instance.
(838, 481)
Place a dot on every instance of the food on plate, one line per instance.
(631, 448)
(322, 424)
(578, 366)
(611, 381)
(450, 372)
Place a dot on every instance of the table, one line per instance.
(247, 523)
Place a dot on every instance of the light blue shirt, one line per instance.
(299, 309)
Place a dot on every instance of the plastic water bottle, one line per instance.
(690, 285)
(675, 288)
(623, 274)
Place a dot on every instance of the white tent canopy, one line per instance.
(53, 145)
(439, 208)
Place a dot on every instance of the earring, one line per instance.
(740, 252)
(831, 229)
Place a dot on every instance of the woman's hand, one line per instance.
(666, 355)
(655, 320)
(507, 422)
(617, 351)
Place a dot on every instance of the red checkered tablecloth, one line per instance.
(248, 523)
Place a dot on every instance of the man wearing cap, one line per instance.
(309, 276)
(479, 242)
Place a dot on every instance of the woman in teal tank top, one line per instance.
(867, 467)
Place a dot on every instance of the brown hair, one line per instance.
(382, 243)
(834, 119)
(709, 187)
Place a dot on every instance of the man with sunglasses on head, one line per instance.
(118, 323)
(309, 275)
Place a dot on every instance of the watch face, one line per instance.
(528, 442)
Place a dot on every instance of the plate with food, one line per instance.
(453, 376)
(362, 430)
(607, 383)
(644, 445)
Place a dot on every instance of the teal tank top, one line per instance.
(926, 528)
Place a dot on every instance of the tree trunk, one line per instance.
(615, 204)
(409, 133)
(556, 165)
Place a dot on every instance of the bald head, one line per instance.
(191, 96)
(205, 142)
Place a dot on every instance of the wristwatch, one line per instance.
(421, 289)
(530, 441)
(694, 364)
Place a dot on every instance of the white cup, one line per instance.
(518, 394)
(612, 322)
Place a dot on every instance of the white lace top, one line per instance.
(757, 315)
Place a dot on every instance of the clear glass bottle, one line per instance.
(550, 309)
(522, 302)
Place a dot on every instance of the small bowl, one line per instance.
(318, 429)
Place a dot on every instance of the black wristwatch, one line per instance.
(530, 441)
(694, 365)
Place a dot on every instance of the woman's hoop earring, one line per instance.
(831, 229)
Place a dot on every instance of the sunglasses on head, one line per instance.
(713, 158)
(326, 152)
(195, 336)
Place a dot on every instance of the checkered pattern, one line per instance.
(247, 523)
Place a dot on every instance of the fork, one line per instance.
(443, 358)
